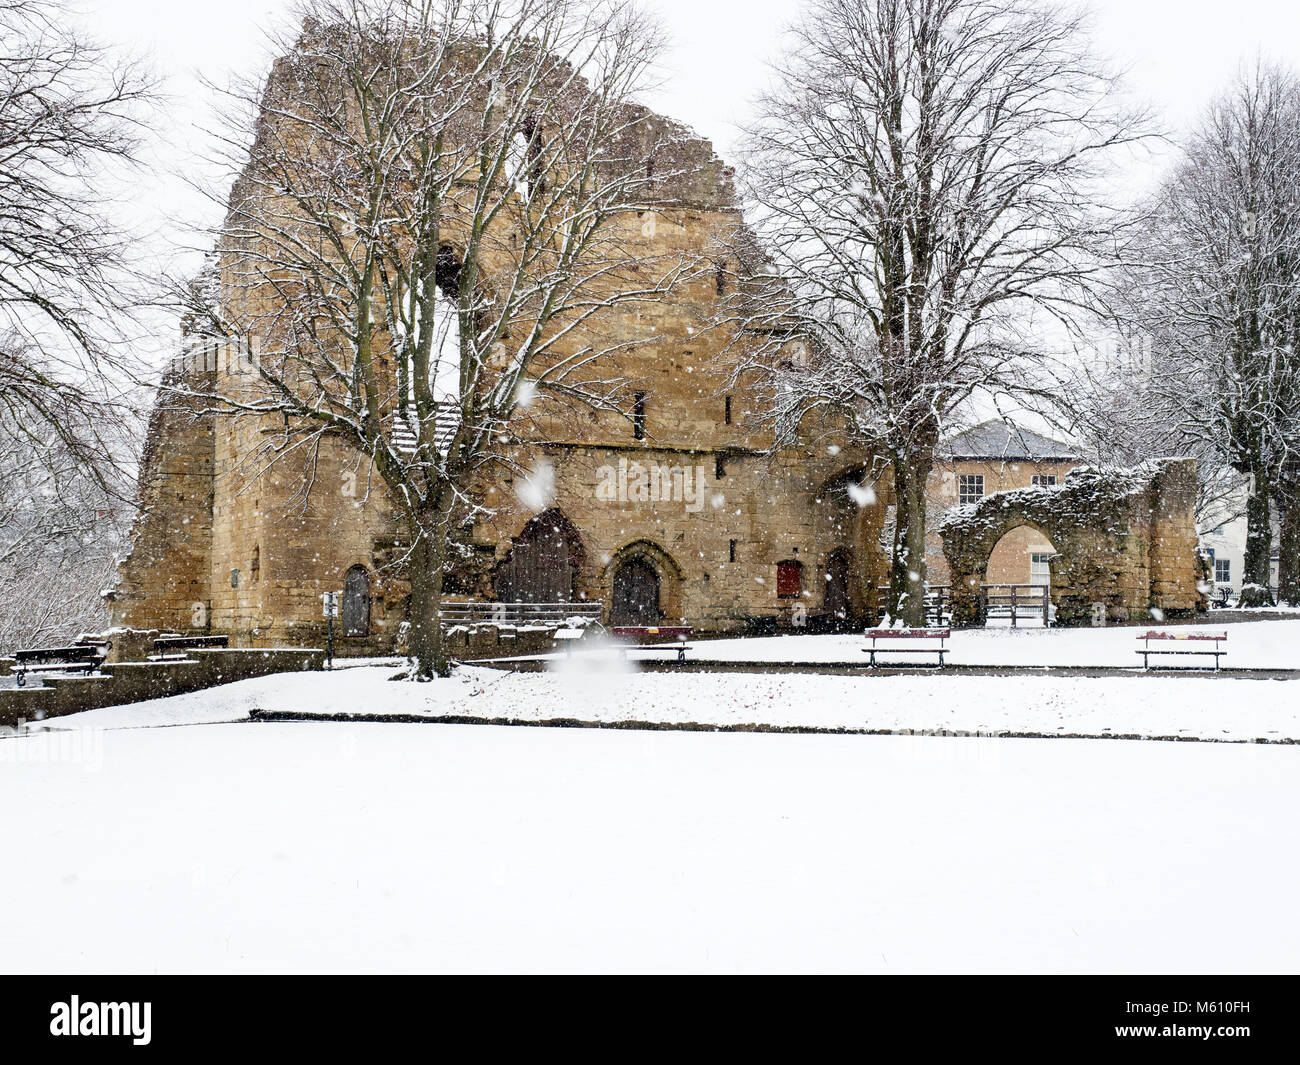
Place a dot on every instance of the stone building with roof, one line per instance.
(995, 456)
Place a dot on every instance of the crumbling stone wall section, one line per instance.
(164, 581)
(1177, 582)
(1124, 537)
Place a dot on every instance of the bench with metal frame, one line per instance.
(167, 646)
(1146, 650)
(79, 658)
(661, 637)
(877, 635)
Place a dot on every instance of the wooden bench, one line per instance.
(876, 635)
(167, 646)
(1146, 650)
(656, 638)
(79, 658)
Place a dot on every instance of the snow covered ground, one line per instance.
(389, 848)
(176, 835)
(601, 689)
(1272, 644)
(596, 686)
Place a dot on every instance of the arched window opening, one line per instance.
(446, 325)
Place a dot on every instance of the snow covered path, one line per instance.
(389, 848)
(595, 688)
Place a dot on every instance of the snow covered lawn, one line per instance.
(376, 847)
(596, 688)
(176, 835)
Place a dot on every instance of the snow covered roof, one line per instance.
(1001, 440)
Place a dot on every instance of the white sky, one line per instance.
(1176, 52)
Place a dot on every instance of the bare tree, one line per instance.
(70, 116)
(1215, 285)
(437, 214)
(61, 528)
(1113, 402)
(927, 183)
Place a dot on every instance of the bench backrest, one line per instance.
(681, 632)
(82, 653)
(1216, 637)
(908, 634)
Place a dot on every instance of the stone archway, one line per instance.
(544, 562)
(643, 585)
(852, 509)
(1012, 560)
(1124, 538)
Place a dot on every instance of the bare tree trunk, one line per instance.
(908, 567)
(1255, 590)
(428, 557)
(1288, 576)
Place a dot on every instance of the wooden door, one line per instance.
(636, 594)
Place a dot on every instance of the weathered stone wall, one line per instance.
(1177, 583)
(1124, 538)
(131, 682)
(164, 582)
(774, 508)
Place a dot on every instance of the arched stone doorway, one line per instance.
(543, 564)
(636, 593)
(355, 614)
(1022, 556)
(1017, 576)
(643, 585)
(852, 508)
(838, 603)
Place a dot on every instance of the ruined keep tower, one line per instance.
(675, 509)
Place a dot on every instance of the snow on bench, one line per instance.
(876, 635)
(660, 637)
(568, 637)
(1146, 650)
(80, 658)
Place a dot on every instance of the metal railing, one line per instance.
(492, 613)
(938, 603)
(1016, 601)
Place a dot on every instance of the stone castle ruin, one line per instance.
(679, 509)
(1125, 543)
